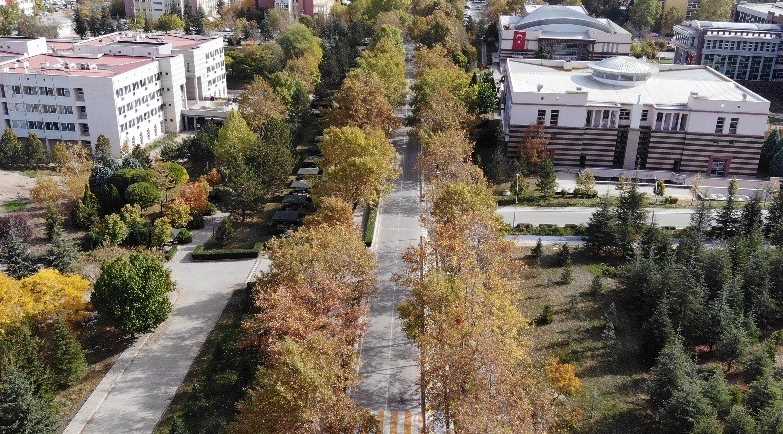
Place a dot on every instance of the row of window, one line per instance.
(154, 95)
(47, 126)
(219, 79)
(138, 84)
(45, 108)
(554, 117)
(132, 139)
(218, 66)
(140, 118)
(213, 53)
(721, 123)
(41, 90)
(671, 121)
(720, 44)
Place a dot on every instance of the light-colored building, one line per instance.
(26, 7)
(562, 33)
(625, 113)
(128, 87)
(155, 8)
(300, 7)
(741, 51)
(769, 13)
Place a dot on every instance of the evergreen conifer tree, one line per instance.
(728, 221)
(68, 363)
(547, 178)
(22, 411)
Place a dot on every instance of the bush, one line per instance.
(178, 213)
(112, 230)
(161, 232)
(170, 252)
(197, 222)
(669, 200)
(144, 194)
(200, 253)
(184, 236)
(369, 225)
(546, 317)
(132, 293)
(225, 232)
(22, 409)
(67, 356)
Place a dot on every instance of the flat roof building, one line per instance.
(626, 113)
(130, 88)
(769, 13)
(561, 33)
(741, 51)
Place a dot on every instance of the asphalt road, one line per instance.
(389, 361)
(512, 215)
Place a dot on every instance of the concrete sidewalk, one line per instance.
(136, 391)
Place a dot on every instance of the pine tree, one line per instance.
(68, 363)
(568, 273)
(61, 255)
(103, 151)
(674, 370)
(600, 230)
(22, 411)
(774, 224)
(727, 221)
(34, 150)
(631, 216)
(547, 178)
(53, 222)
(15, 254)
(773, 143)
(538, 251)
(752, 219)
(79, 24)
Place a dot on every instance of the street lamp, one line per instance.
(516, 189)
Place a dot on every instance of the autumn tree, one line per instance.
(361, 102)
(46, 292)
(446, 156)
(715, 10)
(386, 59)
(358, 164)
(533, 148)
(34, 150)
(332, 211)
(196, 196)
(259, 104)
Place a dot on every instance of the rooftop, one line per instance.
(763, 8)
(177, 41)
(103, 66)
(718, 25)
(671, 85)
(560, 19)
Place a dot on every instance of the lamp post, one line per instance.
(516, 188)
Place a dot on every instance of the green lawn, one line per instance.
(613, 398)
(16, 205)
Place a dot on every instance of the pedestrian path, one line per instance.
(136, 391)
(399, 422)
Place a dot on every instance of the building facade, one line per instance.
(133, 89)
(765, 13)
(741, 51)
(155, 8)
(626, 113)
(300, 7)
(561, 33)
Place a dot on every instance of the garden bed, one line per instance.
(202, 253)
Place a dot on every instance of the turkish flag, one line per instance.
(519, 41)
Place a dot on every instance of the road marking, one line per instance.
(411, 421)
(408, 425)
(393, 422)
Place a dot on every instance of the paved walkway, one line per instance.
(390, 362)
(514, 215)
(139, 387)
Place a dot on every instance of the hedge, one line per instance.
(170, 252)
(369, 225)
(202, 254)
(550, 230)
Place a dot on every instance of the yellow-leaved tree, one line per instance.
(45, 292)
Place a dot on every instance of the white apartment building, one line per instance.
(561, 33)
(130, 88)
(767, 13)
(623, 112)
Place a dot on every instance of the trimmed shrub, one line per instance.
(369, 225)
(145, 194)
(184, 236)
(202, 254)
(67, 356)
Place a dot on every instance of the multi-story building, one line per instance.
(155, 8)
(130, 88)
(625, 113)
(768, 13)
(560, 32)
(300, 7)
(741, 51)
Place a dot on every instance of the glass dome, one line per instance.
(623, 70)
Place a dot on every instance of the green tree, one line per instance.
(601, 230)
(112, 230)
(53, 222)
(674, 370)
(299, 40)
(61, 254)
(585, 183)
(740, 421)
(34, 150)
(132, 293)
(774, 224)
(144, 194)
(547, 179)
(644, 14)
(86, 212)
(103, 152)
(79, 23)
(773, 144)
(170, 22)
(10, 148)
(161, 232)
(631, 216)
(22, 410)
(715, 10)
(67, 356)
(751, 220)
(763, 392)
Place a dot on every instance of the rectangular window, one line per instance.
(645, 113)
(733, 125)
(683, 121)
(658, 121)
(589, 118)
(541, 117)
(625, 115)
(719, 125)
(554, 117)
(61, 91)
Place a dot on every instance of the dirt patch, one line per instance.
(14, 185)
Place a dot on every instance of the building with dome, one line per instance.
(626, 113)
(561, 33)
